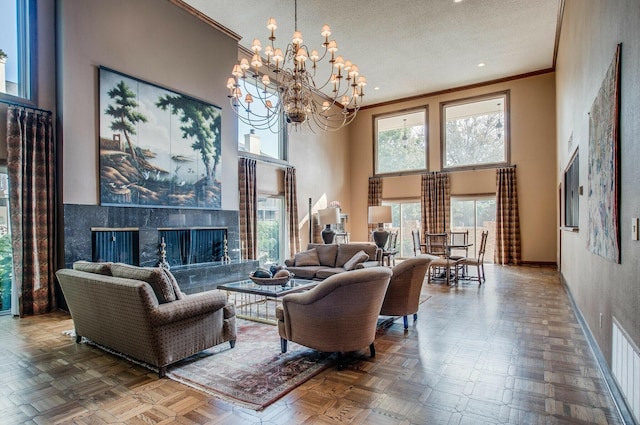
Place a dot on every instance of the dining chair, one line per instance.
(390, 251)
(437, 245)
(478, 261)
(418, 247)
(459, 243)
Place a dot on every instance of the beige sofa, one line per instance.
(141, 312)
(320, 261)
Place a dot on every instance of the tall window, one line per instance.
(475, 132)
(405, 218)
(475, 214)
(571, 193)
(16, 36)
(262, 141)
(6, 252)
(270, 230)
(401, 142)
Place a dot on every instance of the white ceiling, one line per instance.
(409, 47)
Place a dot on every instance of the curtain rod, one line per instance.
(21, 105)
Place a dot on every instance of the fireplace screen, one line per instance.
(119, 246)
(193, 246)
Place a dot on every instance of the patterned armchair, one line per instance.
(338, 315)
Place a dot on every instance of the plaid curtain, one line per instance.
(435, 202)
(31, 166)
(291, 207)
(374, 199)
(248, 208)
(507, 220)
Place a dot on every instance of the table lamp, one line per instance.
(327, 217)
(380, 214)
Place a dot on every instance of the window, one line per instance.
(475, 132)
(265, 141)
(475, 214)
(401, 142)
(6, 252)
(15, 47)
(270, 230)
(405, 217)
(571, 192)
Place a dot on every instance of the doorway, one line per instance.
(6, 255)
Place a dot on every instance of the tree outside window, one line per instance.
(475, 132)
(401, 142)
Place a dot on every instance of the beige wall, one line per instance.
(154, 41)
(160, 43)
(532, 115)
(590, 32)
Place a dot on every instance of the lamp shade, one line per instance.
(329, 216)
(379, 214)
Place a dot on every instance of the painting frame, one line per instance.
(603, 178)
(157, 147)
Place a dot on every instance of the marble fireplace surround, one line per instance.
(80, 219)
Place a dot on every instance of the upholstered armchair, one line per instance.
(403, 294)
(338, 315)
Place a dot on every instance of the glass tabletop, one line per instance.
(250, 287)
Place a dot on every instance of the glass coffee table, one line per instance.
(258, 302)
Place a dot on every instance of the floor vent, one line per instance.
(625, 359)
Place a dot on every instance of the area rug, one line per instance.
(254, 373)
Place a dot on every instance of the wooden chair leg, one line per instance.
(372, 349)
(283, 345)
(406, 322)
(415, 316)
(232, 343)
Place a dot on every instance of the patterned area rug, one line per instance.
(254, 373)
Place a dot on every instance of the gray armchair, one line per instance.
(338, 315)
(403, 294)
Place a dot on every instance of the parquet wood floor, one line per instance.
(510, 351)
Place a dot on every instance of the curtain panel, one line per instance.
(291, 207)
(31, 168)
(507, 218)
(248, 208)
(435, 202)
(374, 199)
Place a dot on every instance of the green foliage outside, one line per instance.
(399, 153)
(268, 242)
(475, 140)
(6, 271)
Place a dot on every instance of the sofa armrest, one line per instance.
(290, 262)
(192, 305)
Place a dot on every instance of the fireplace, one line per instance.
(194, 240)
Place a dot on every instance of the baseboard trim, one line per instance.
(539, 263)
(612, 385)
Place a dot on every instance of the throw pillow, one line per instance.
(307, 258)
(89, 267)
(358, 257)
(154, 276)
(176, 288)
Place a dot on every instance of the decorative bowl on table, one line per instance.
(281, 280)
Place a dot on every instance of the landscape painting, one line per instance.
(157, 147)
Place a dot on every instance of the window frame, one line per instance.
(281, 219)
(425, 110)
(506, 128)
(26, 37)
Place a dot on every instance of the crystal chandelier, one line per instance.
(287, 84)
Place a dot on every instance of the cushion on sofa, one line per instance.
(326, 253)
(89, 267)
(306, 272)
(154, 276)
(358, 257)
(348, 250)
(174, 283)
(307, 258)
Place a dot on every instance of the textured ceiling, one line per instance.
(407, 48)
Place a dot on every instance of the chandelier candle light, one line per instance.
(285, 84)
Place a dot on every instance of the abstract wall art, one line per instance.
(603, 236)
